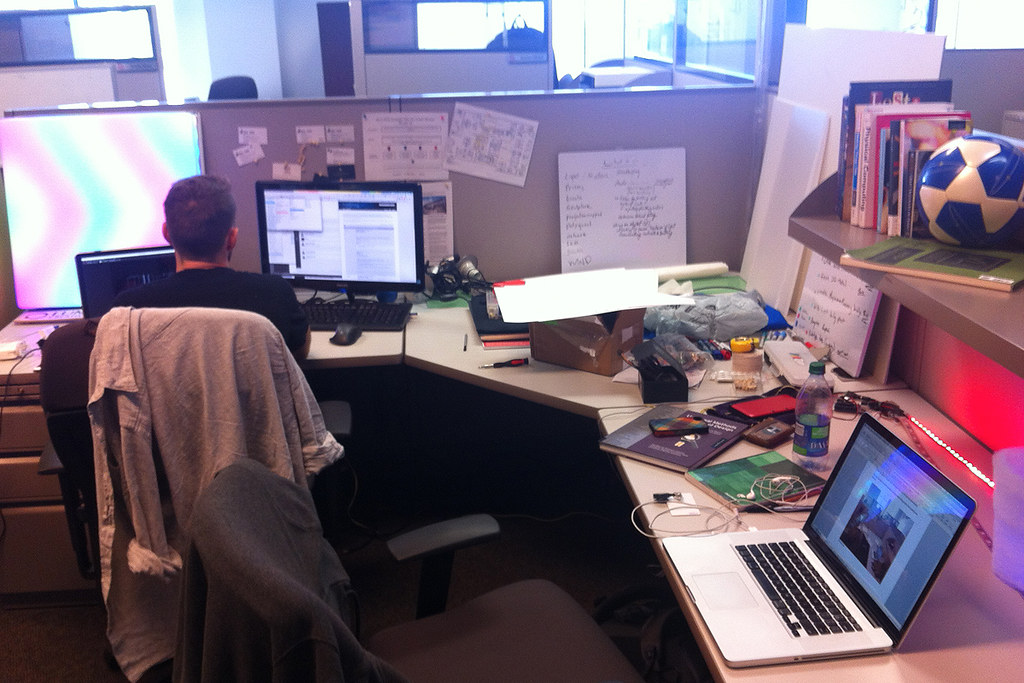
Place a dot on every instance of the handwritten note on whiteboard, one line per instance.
(625, 208)
(837, 309)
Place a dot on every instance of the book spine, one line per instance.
(842, 200)
(892, 184)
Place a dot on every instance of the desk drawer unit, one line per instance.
(35, 548)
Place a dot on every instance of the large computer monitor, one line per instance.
(360, 238)
(82, 182)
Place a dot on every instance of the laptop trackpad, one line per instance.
(724, 591)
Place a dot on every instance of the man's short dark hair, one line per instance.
(200, 212)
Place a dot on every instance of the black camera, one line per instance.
(454, 274)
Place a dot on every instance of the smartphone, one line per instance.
(765, 407)
(678, 426)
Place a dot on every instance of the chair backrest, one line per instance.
(233, 88)
(177, 394)
(63, 394)
(264, 595)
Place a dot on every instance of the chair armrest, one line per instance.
(446, 536)
(49, 463)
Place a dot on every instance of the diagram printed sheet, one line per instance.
(405, 146)
(489, 144)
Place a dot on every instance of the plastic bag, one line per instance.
(716, 316)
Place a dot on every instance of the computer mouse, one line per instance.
(345, 334)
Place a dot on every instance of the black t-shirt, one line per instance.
(268, 295)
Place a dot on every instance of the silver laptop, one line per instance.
(878, 536)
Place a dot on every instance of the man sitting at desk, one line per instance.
(199, 223)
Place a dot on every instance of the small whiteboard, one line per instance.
(837, 309)
(625, 208)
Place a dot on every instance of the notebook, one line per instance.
(102, 275)
(879, 534)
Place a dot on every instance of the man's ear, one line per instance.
(164, 231)
(231, 241)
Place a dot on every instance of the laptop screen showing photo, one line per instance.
(102, 275)
(889, 518)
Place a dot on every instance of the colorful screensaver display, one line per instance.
(84, 182)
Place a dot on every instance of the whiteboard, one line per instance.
(837, 309)
(622, 208)
(33, 87)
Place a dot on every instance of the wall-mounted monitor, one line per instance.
(360, 238)
(86, 182)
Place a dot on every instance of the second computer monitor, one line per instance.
(361, 238)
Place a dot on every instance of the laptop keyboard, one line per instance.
(806, 604)
(367, 314)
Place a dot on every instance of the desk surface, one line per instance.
(971, 626)
(435, 339)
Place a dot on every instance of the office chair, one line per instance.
(265, 597)
(233, 88)
(63, 395)
(144, 495)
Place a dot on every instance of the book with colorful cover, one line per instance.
(918, 138)
(876, 92)
(735, 481)
(928, 258)
(680, 453)
(874, 118)
(886, 138)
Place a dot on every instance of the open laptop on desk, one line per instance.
(879, 535)
(102, 275)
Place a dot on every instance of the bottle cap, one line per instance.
(817, 367)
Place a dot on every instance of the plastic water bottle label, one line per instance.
(810, 441)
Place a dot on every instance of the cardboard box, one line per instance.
(593, 343)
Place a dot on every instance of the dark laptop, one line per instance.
(875, 542)
(102, 275)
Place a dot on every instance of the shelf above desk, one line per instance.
(987, 320)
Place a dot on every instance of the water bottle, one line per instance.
(813, 417)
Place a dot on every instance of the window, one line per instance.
(65, 36)
(434, 25)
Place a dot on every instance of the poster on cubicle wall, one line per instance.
(623, 208)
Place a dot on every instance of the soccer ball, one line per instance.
(970, 191)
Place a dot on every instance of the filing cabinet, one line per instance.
(36, 558)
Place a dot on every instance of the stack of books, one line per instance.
(890, 128)
(494, 332)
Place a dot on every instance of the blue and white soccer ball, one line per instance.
(970, 191)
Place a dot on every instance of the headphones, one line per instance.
(770, 487)
(453, 274)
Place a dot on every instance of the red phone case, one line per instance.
(763, 407)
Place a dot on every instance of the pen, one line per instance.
(465, 341)
(508, 364)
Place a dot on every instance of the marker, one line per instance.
(515, 362)
(465, 341)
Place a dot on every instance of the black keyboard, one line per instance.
(367, 314)
(805, 603)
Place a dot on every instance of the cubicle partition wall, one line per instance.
(514, 231)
